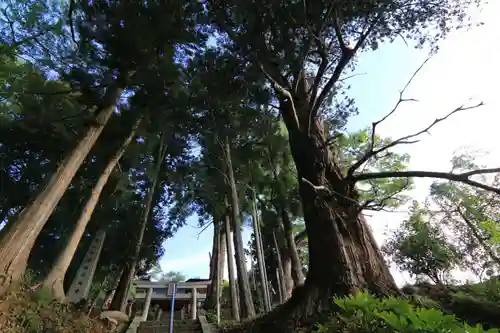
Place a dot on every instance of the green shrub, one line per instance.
(363, 313)
(211, 316)
(488, 291)
(42, 297)
(424, 302)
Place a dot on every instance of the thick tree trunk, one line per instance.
(55, 278)
(297, 273)
(343, 254)
(235, 306)
(120, 300)
(217, 266)
(246, 303)
(121, 289)
(210, 301)
(219, 271)
(223, 252)
(17, 242)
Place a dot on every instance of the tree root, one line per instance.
(303, 310)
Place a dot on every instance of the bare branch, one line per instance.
(379, 204)
(323, 191)
(205, 227)
(320, 190)
(405, 139)
(481, 172)
(370, 153)
(350, 77)
(401, 99)
(457, 177)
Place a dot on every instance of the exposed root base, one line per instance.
(310, 303)
(302, 311)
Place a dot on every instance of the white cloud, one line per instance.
(186, 264)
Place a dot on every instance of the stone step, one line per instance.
(180, 326)
(167, 320)
(166, 330)
(175, 326)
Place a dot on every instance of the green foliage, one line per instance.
(378, 194)
(49, 91)
(421, 248)
(225, 317)
(43, 297)
(471, 215)
(485, 291)
(173, 276)
(364, 313)
(56, 62)
(492, 228)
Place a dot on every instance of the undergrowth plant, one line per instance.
(487, 291)
(364, 313)
(34, 310)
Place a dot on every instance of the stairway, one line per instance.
(180, 326)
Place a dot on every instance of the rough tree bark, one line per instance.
(260, 259)
(119, 302)
(246, 303)
(217, 264)
(121, 288)
(284, 269)
(17, 242)
(235, 306)
(55, 278)
(214, 266)
(343, 254)
(222, 252)
(262, 247)
(291, 247)
(283, 210)
(219, 270)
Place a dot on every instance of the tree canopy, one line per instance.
(129, 117)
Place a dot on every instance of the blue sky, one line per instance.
(466, 67)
